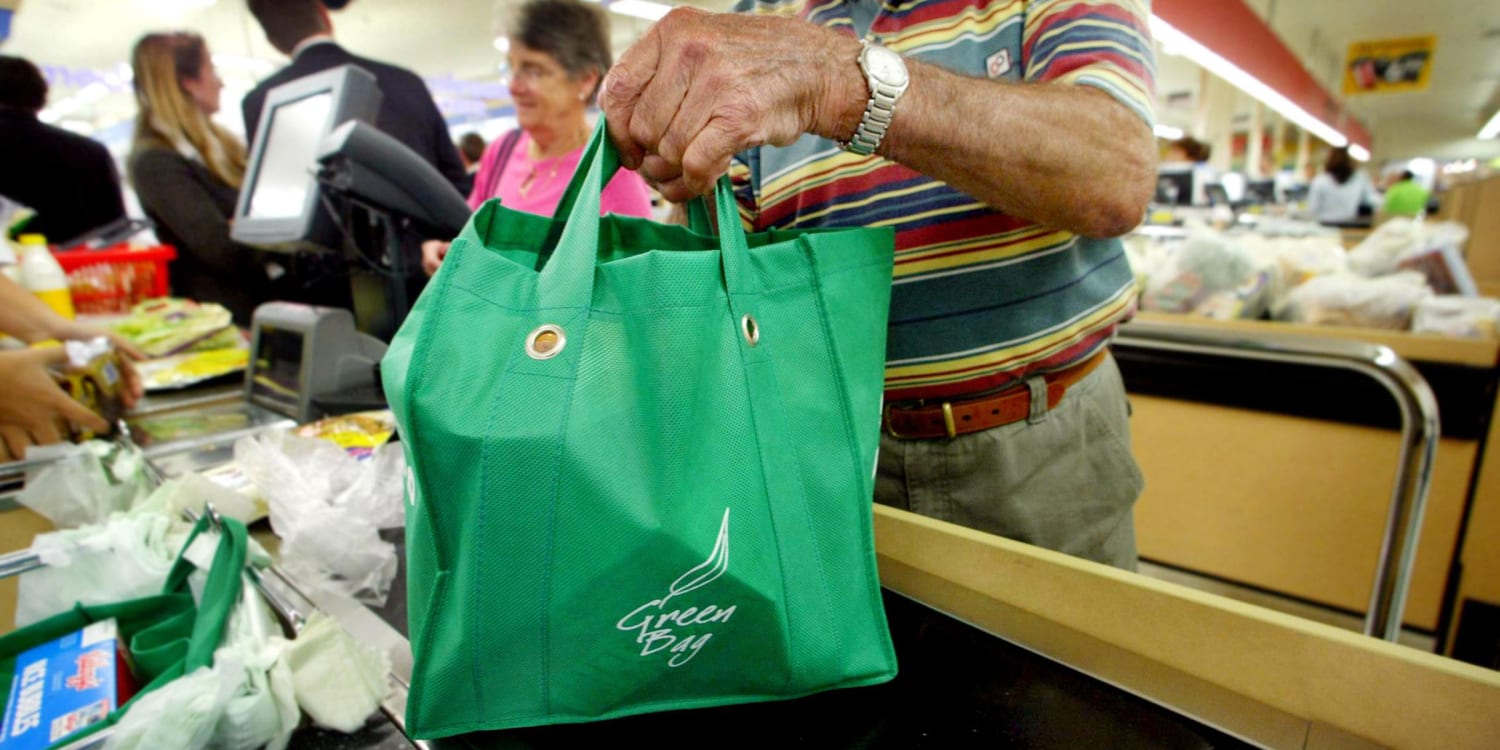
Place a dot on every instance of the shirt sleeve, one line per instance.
(741, 177)
(1105, 44)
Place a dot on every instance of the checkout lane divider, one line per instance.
(1419, 433)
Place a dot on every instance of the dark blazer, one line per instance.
(407, 111)
(191, 209)
(69, 180)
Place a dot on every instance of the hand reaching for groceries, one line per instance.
(34, 410)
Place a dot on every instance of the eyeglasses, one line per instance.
(533, 72)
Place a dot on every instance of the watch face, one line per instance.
(885, 65)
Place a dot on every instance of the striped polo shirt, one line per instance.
(980, 298)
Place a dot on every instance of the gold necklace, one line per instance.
(530, 181)
(531, 177)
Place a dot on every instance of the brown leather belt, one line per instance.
(949, 419)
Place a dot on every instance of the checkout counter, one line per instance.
(1000, 645)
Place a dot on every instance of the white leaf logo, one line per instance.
(708, 570)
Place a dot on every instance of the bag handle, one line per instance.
(567, 279)
(220, 593)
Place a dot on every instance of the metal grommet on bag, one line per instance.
(545, 342)
(750, 329)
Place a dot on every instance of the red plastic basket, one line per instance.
(113, 279)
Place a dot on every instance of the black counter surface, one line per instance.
(958, 687)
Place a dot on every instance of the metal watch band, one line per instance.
(876, 120)
(879, 111)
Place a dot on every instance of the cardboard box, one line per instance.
(66, 685)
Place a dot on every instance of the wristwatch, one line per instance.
(885, 71)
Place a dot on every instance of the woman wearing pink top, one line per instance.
(559, 51)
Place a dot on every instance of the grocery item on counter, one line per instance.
(66, 685)
(1386, 302)
(43, 276)
(1459, 316)
(359, 434)
(1208, 275)
(162, 327)
(183, 370)
(91, 376)
(182, 425)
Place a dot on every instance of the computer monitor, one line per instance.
(279, 207)
(1261, 191)
(1174, 185)
(361, 162)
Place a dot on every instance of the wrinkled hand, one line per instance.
(433, 253)
(700, 87)
(33, 407)
(132, 387)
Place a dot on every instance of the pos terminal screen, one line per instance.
(276, 373)
(281, 184)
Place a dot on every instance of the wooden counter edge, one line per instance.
(1417, 347)
(1264, 675)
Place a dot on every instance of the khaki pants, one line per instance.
(1064, 479)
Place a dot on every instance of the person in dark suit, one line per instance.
(69, 180)
(302, 30)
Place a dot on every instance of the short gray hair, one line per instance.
(574, 33)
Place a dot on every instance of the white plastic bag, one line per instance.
(1460, 316)
(86, 484)
(180, 714)
(127, 557)
(1209, 275)
(1386, 302)
(244, 701)
(328, 508)
(339, 681)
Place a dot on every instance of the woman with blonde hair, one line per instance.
(187, 172)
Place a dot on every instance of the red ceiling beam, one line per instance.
(1234, 31)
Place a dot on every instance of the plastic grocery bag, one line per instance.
(339, 682)
(1209, 275)
(244, 701)
(1385, 302)
(86, 483)
(1457, 315)
(126, 557)
(328, 508)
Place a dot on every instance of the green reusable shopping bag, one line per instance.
(641, 464)
(168, 635)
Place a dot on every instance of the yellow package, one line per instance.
(91, 376)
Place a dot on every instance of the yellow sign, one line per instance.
(1390, 65)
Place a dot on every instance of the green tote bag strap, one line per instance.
(220, 593)
(698, 218)
(567, 280)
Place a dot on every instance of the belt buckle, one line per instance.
(949, 425)
(885, 419)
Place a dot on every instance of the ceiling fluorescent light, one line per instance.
(502, 44)
(1360, 153)
(640, 9)
(1168, 132)
(1491, 129)
(1211, 61)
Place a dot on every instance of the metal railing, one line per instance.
(1419, 432)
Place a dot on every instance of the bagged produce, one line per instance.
(1456, 315)
(1343, 300)
(1209, 275)
(160, 327)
